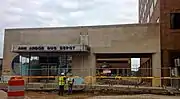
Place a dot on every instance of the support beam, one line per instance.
(165, 66)
(80, 65)
(84, 65)
(29, 71)
(156, 69)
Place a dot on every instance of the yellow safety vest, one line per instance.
(61, 80)
(70, 80)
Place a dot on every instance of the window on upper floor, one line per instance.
(155, 2)
(175, 20)
(157, 20)
(151, 9)
(143, 14)
(145, 8)
(145, 1)
(148, 18)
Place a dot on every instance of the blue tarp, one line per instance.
(78, 81)
(34, 69)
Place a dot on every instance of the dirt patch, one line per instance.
(3, 95)
(46, 95)
(50, 95)
(136, 97)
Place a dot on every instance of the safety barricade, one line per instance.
(16, 88)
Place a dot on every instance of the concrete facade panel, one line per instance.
(137, 39)
(156, 69)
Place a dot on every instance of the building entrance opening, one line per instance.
(126, 66)
(175, 68)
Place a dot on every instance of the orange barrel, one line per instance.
(16, 88)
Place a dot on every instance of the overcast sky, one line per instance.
(37, 13)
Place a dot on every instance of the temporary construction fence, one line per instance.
(46, 78)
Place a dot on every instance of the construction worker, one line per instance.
(62, 81)
(70, 82)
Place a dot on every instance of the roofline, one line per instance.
(90, 26)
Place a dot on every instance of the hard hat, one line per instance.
(62, 73)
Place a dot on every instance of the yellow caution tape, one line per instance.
(116, 77)
(76, 77)
(38, 76)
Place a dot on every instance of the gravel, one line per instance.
(42, 95)
(136, 97)
(3, 95)
(34, 95)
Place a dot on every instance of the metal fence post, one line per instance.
(171, 77)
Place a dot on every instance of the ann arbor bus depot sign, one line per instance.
(51, 48)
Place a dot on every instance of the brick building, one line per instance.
(167, 14)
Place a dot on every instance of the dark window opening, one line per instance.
(175, 20)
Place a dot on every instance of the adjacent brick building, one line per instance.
(167, 13)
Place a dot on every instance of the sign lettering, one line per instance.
(67, 47)
(36, 48)
(50, 48)
(47, 48)
(22, 48)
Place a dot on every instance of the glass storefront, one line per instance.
(41, 65)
